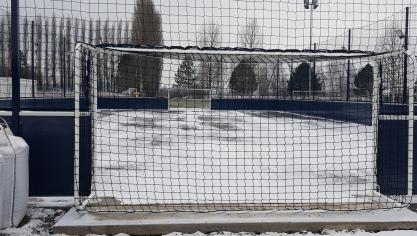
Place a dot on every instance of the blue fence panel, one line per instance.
(343, 111)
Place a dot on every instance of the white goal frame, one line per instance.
(239, 54)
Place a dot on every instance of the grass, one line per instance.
(189, 103)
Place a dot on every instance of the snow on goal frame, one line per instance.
(148, 157)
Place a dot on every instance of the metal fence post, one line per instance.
(15, 67)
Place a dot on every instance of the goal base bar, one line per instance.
(82, 223)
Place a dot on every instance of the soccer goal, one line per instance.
(240, 153)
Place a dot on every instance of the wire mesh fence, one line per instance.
(327, 68)
(50, 29)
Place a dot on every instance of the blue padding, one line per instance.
(132, 103)
(67, 104)
(51, 155)
(392, 157)
(394, 109)
(343, 111)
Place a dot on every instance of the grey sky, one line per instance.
(285, 23)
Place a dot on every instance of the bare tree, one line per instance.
(210, 70)
(61, 42)
(68, 47)
(98, 40)
(98, 32)
(209, 35)
(3, 47)
(46, 71)
(38, 43)
(126, 33)
(83, 31)
(264, 81)
(143, 72)
(250, 36)
(335, 78)
(53, 50)
(112, 39)
(390, 41)
(25, 45)
(112, 33)
(119, 32)
(90, 32)
(105, 40)
(278, 82)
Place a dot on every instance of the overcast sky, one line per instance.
(285, 23)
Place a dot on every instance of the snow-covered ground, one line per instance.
(200, 156)
(40, 220)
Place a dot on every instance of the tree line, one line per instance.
(47, 46)
(47, 53)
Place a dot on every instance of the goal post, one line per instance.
(288, 155)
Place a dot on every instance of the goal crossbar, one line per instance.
(231, 55)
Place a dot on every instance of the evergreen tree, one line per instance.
(144, 71)
(299, 80)
(185, 76)
(243, 79)
(365, 78)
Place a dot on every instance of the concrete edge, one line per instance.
(82, 223)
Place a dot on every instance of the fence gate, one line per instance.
(396, 118)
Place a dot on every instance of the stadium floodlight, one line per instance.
(400, 34)
(314, 4)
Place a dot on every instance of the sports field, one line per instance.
(200, 156)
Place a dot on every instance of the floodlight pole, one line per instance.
(311, 43)
(313, 4)
(348, 66)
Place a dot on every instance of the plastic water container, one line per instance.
(2, 177)
(14, 181)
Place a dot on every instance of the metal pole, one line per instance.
(15, 67)
(32, 41)
(311, 45)
(406, 42)
(348, 67)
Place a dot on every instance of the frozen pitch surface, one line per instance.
(198, 156)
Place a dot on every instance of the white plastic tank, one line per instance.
(2, 177)
(14, 184)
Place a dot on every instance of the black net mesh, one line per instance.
(235, 105)
(223, 130)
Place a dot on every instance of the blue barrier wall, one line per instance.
(51, 155)
(51, 138)
(67, 104)
(51, 141)
(343, 111)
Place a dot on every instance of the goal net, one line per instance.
(191, 129)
